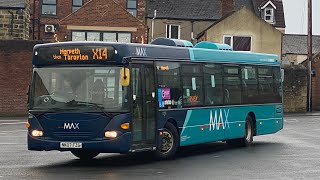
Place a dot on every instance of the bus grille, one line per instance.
(66, 135)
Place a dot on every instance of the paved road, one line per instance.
(293, 153)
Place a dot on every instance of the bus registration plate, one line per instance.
(75, 145)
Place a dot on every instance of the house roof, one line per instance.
(191, 9)
(279, 14)
(12, 4)
(207, 9)
(298, 44)
(185, 9)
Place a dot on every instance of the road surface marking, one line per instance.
(13, 131)
(3, 120)
(8, 143)
(12, 123)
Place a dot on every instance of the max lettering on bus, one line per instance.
(71, 126)
(141, 51)
(220, 118)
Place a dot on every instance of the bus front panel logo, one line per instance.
(71, 126)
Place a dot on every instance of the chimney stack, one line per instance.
(227, 6)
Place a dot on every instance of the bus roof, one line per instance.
(148, 51)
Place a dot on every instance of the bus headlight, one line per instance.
(37, 133)
(110, 134)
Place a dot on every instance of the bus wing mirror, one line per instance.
(125, 76)
(282, 75)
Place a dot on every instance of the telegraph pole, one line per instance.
(309, 55)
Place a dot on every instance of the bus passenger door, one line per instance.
(143, 111)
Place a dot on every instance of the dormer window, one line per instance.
(269, 15)
(268, 12)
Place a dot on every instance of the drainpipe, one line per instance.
(152, 23)
(33, 18)
(192, 33)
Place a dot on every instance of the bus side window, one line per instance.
(249, 84)
(265, 84)
(232, 85)
(213, 84)
(169, 88)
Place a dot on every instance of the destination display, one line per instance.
(74, 54)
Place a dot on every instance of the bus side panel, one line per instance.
(237, 119)
(267, 122)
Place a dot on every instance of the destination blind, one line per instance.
(74, 54)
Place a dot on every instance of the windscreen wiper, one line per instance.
(96, 105)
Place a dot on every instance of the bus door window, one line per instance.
(213, 84)
(169, 89)
(137, 104)
(192, 85)
(232, 88)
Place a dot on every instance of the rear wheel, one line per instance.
(170, 143)
(248, 135)
(84, 155)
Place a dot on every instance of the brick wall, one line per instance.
(295, 88)
(64, 9)
(14, 23)
(15, 73)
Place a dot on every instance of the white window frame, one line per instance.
(179, 30)
(271, 15)
(231, 42)
(231, 36)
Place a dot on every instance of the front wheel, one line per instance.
(170, 143)
(84, 155)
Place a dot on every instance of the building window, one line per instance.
(110, 37)
(76, 4)
(173, 31)
(123, 37)
(238, 43)
(49, 7)
(132, 7)
(93, 36)
(78, 36)
(269, 15)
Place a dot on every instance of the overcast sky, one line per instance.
(295, 12)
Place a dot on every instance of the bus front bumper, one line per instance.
(121, 144)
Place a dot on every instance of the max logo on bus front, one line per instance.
(71, 126)
(141, 51)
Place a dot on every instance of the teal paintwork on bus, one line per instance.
(212, 55)
(223, 123)
(203, 125)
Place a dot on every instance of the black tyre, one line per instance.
(170, 143)
(248, 135)
(84, 155)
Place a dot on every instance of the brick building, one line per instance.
(14, 19)
(91, 20)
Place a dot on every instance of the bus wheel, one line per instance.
(170, 143)
(84, 155)
(248, 135)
